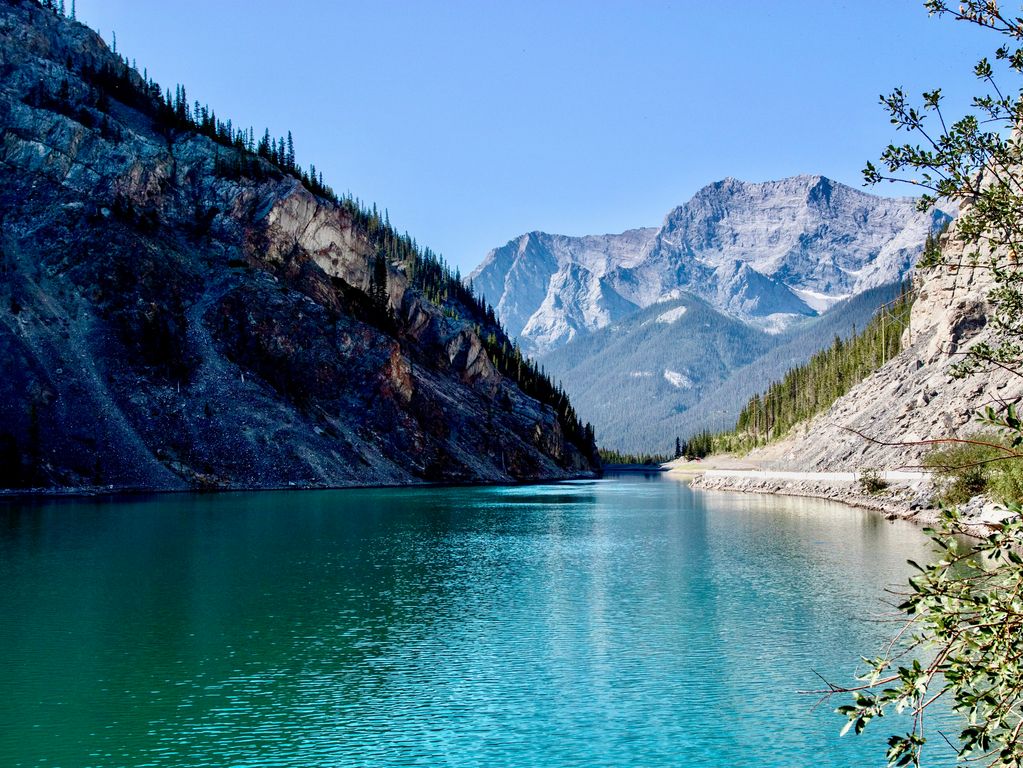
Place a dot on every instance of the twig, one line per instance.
(934, 441)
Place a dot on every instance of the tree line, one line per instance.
(813, 387)
(697, 446)
(609, 456)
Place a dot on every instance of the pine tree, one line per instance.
(378, 282)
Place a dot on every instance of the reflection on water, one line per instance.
(628, 621)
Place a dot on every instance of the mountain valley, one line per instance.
(647, 330)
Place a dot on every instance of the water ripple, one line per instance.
(600, 623)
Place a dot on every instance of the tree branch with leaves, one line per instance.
(962, 637)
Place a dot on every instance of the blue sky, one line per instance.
(475, 121)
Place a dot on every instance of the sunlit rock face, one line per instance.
(169, 321)
(759, 252)
(772, 271)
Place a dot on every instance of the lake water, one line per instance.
(622, 622)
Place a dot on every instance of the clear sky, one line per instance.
(473, 121)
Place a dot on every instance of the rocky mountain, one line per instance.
(764, 253)
(550, 288)
(754, 260)
(916, 396)
(679, 367)
(179, 308)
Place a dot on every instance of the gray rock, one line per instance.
(176, 313)
(760, 252)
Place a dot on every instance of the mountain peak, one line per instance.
(802, 241)
(732, 184)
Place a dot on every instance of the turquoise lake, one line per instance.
(628, 621)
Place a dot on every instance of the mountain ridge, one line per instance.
(758, 251)
(180, 309)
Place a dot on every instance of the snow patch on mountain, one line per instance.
(821, 302)
(672, 315)
(677, 380)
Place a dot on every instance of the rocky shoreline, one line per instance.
(895, 502)
(910, 501)
(96, 491)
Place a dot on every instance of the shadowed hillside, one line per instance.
(181, 305)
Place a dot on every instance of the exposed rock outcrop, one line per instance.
(175, 312)
(915, 396)
(759, 252)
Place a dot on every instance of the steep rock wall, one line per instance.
(167, 322)
(916, 396)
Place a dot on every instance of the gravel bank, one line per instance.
(907, 497)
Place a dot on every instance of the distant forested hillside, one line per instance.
(639, 381)
(720, 408)
(812, 388)
(681, 367)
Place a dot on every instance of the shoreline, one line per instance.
(908, 496)
(96, 492)
(635, 468)
(898, 501)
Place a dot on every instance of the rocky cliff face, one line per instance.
(762, 252)
(175, 312)
(916, 395)
(783, 257)
(549, 289)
